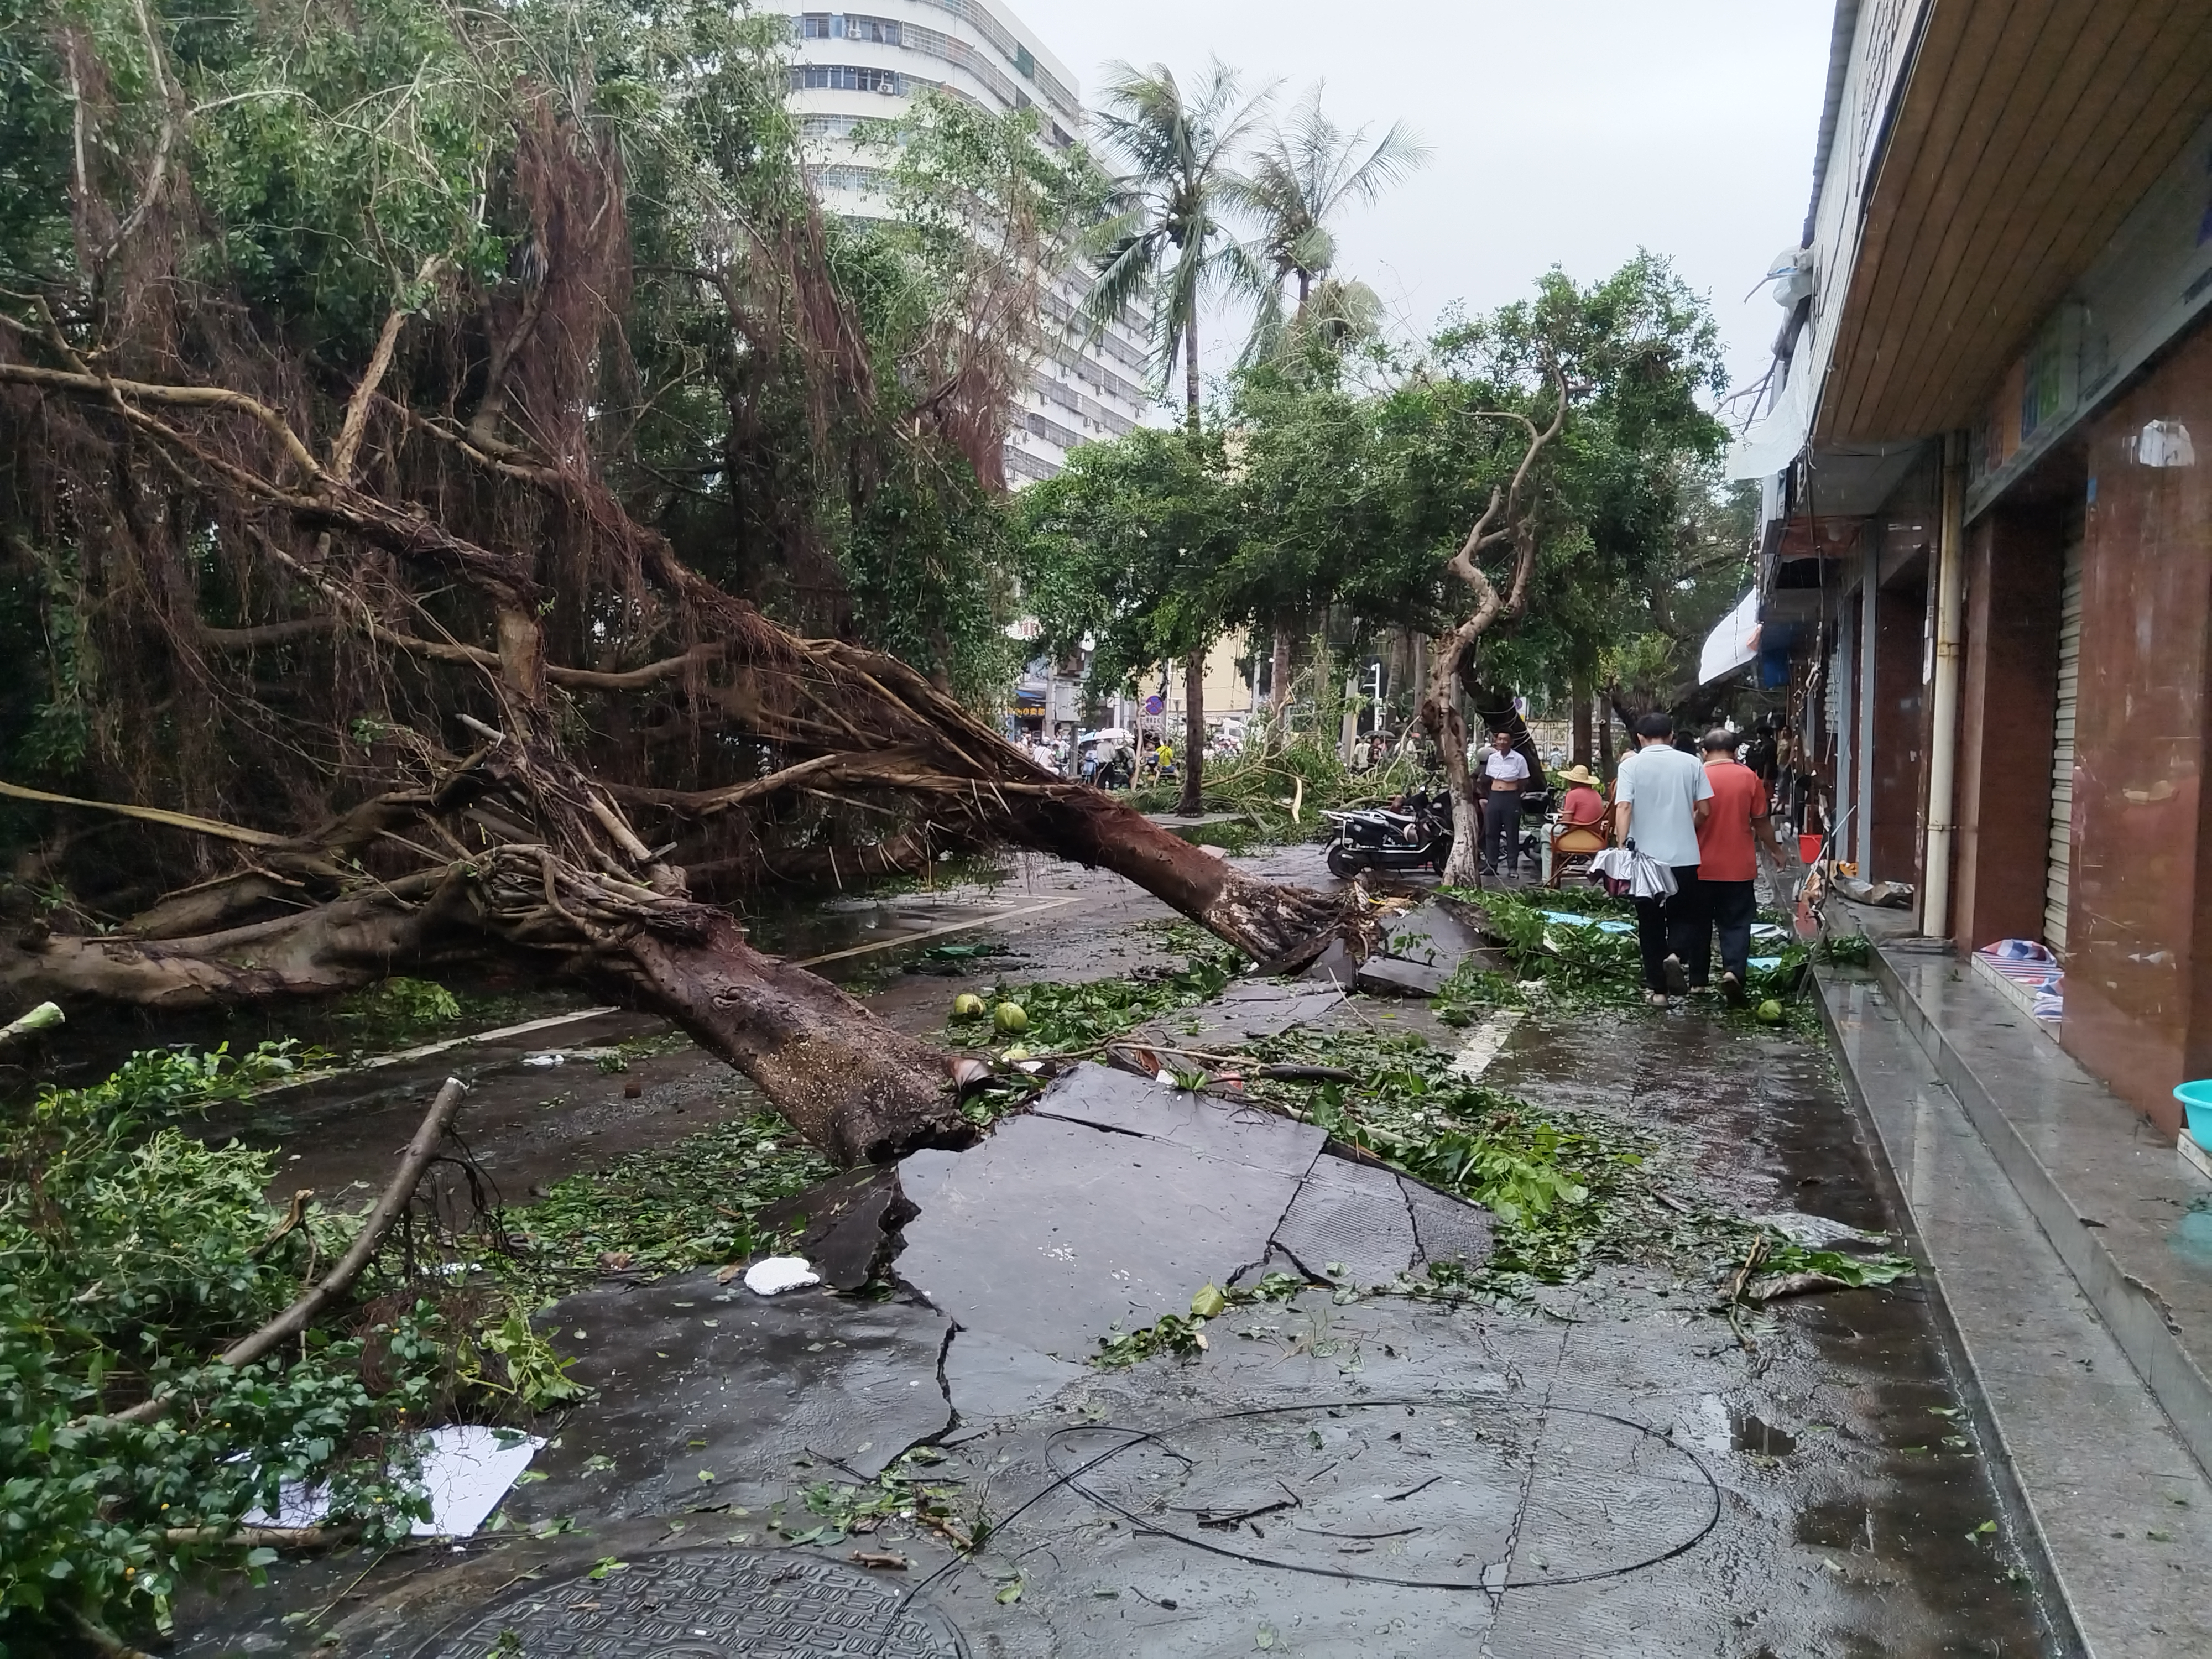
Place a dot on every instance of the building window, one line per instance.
(1054, 433)
(1032, 469)
(884, 31)
(847, 77)
(815, 128)
(865, 180)
(816, 26)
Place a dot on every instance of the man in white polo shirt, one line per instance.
(1664, 795)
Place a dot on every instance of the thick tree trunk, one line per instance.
(1447, 728)
(1269, 921)
(1279, 675)
(1193, 734)
(1604, 740)
(1579, 753)
(856, 1088)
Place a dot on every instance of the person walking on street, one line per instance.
(1662, 797)
(1504, 774)
(1728, 866)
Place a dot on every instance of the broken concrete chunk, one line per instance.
(1392, 976)
(848, 1227)
(1349, 1224)
(1445, 1229)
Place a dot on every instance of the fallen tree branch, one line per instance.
(389, 1208)
(151, 815)
(44, 1017)
(275, 1537)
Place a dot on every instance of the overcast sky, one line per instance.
(1565, 132)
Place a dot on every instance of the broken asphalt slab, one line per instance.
(846, 1228)
(1423, 948)
(1251, 1008)
(1052, 1233)
(1117, 1197)
(708, 1396)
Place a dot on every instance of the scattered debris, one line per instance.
(776, 1274)
(466, 1468)
(847, 1229)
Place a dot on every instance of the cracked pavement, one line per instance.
(1617, 1472)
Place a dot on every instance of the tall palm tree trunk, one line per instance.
(1193, 663)
(1190, 376)
(1193, 733)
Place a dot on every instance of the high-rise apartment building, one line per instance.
(850, 67)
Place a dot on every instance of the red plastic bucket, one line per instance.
(1808, 848)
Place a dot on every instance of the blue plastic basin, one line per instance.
(2196, 1100)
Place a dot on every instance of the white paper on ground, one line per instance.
(780, 1273)
(466, 1469)
(1817, 1232)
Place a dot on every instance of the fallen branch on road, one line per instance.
(389, 1208)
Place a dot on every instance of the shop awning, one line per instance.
(1733, 643)
(1777, 437)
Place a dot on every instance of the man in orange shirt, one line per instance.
(1728, 864)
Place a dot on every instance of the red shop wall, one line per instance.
(2139, 968)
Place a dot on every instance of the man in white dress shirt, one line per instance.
(1505, 775)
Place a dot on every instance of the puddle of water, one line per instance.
(1759, 1438)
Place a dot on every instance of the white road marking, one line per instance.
(1489, 1038)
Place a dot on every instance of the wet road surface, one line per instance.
(1622, 1473)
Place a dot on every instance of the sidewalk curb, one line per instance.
(2137, 1316)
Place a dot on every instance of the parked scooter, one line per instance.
(1379, 838)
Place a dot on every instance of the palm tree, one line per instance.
(1169, 239)
(1306, 171)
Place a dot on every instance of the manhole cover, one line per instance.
(1472, 1493)
(709, 1604)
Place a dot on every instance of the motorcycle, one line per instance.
(1379, 838)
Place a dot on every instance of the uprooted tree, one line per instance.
(407, 425)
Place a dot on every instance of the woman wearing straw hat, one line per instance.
(1582, 806)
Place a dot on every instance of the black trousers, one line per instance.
(1670, 927)
(1501, 829)
(1730, 907)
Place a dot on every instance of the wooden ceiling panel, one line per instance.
(2155, 133)
(1918, 273)
(2006, 161)
(2028, 130)
(2070, 121)
(1955, 48)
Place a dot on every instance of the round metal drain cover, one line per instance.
(709, 1604)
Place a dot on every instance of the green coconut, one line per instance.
(1770, 1012)
(967, 1005)
(1011, 1018)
